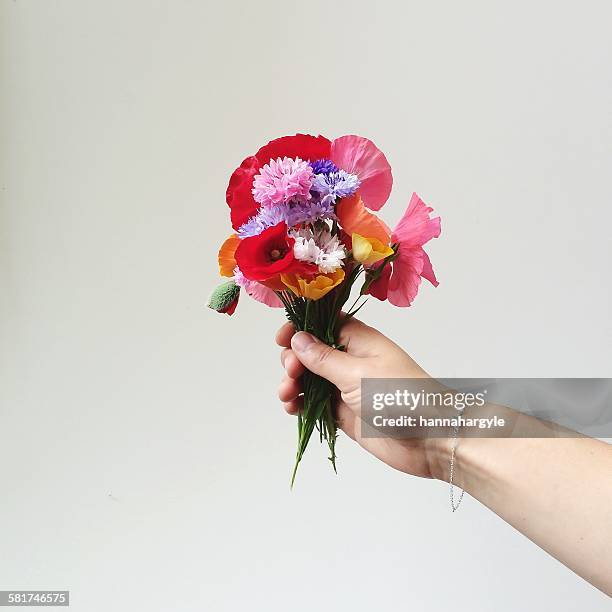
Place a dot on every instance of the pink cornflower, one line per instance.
(283, 180)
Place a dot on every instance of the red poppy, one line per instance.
(264, 257)
(304, 146)
(239, 196)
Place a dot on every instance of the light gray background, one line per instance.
(144, 458)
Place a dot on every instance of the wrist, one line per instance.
(474, 454)
(471, 468)
(438, 452)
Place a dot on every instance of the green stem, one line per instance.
(322, 319)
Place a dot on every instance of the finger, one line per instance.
(351, 327)
(284, 334)
(318, 357)
(292, 364)
(361, 340)
(295, 406)
(289, 389)
(355, 334)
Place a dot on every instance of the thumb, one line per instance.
(322, 359)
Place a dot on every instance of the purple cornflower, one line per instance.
(292, 213)
(309, 212)
(268, 216)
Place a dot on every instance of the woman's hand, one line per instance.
(367, 354)
(556, 491)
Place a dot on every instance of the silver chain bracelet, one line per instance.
(454, 505)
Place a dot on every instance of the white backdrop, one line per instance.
(144, 458)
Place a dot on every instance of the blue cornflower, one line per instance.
(323, 166)
(336, 185)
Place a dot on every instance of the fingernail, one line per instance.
(301, 341)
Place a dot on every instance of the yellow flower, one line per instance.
(368, 251)
(315, 288)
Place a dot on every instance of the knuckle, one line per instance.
(324, 353)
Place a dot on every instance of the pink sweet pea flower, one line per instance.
(360, 156)
(256, 290)
(263, 294)
(400, 280)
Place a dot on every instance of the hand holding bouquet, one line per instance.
(303, 236)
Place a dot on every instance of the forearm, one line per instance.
(556, 491)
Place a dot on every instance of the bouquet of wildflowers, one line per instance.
(304, 235)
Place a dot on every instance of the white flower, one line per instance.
(305, 248)
(320, 248)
